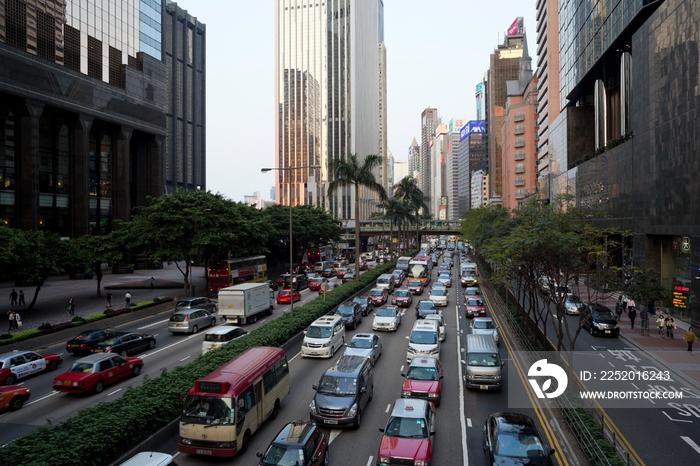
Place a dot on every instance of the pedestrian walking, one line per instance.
(690, 338)
(670, 325)
(153, 282)
(631, 304)
(633, 315)
(21, 298)
(13, 297)
(623, 302)
(71, 306)
(109, 299)
(18, 321)
(618, 310)
(660, 324)
(127, 298)
(10, 320)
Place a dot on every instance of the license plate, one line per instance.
(483, 387)
(98, 350)
(204, 452)
(178, 325)
(330, 421)
(74, 346)
(607, 331)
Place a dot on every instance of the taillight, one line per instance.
(109, 349)
(187, 317)
(82, 345)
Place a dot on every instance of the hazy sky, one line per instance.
(437, 51)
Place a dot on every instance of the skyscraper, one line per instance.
(429, 122)
(452, 169)
(414, 159)
(327, 108)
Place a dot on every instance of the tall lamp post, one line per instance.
(291, 249)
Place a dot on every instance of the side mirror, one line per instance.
(258, 454)
(407, 337)
(314, 386)
(432, 433)
(363, 390)
(503, 363)
(381, 429)
(463, 362)
(304, 332)
(441, 377)
(551, 451)
(345, 344)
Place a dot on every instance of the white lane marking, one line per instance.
(333, 435)
(144, 356)
(42, 398)
(114, 392)
(153, 324)
(185, 358)
(692, 444)
(462, 418)
(388, 408)
(295, 356)
(469, 422)
(675, 420)
(369, 461)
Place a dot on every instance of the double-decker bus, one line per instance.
(420, 268)
(231, 272)
(318, 253)
(403, 262)
(225, 408)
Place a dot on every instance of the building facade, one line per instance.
(438, 170)
(385, 177)
(414, 159)
(327, 97)
(479, 189)
(429, 121)
(473, 156)
(83, 100)
(452, 169)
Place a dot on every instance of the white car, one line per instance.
(387, 318)
(441, 324)
(445, 279)
(485, 326)
(439, 296)
(574, 305)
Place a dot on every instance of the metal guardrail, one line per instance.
(585, 437)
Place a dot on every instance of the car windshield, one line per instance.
(382, 281)
(402, 293)
(422, 373)
(415, 283)
(208, 410)
(423, 337)
(340, 386)
(426, 306)
(177, 317)
(283, 455)
(363, 300)
(475, 302)
(318, 332)
(346, 310)
(386, 312)
(407, 427)
(519, 445)
(472, 292)
(84, 336)
(574, 300)
(483, 359)
(484, 324)
(444, 276)
(376, 292)
(360, 343)
(603, 314)
(84, 367)
(439, 292)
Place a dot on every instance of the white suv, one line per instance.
(323, 337)
(424, 340)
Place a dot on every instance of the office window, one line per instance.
(94, 57)
(115, 67)
(46, 36)
(71, 48)
(16, 24)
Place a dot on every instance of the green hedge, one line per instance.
(101, 434)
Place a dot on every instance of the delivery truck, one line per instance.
(243, 303)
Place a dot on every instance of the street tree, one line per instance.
(397, 212)
(416, 201)
(91, 251)
(355, 173)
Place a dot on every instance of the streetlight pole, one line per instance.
(291, 225)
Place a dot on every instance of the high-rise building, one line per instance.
(414, 159)
(519, 131)
(473, 156)
(429, 121)
(504, 66)
(83, 101)
(327, 108)
(184, 52)
(481, 99)
(384, 172)
(438, 159)
(479, 189)
(452, 169)
(400, 170)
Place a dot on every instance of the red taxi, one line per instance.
(378, 296)
(423, 379)
(20, 364)
(408, 434)
(415, 286)
(402, 298)
(474, 307)
(315, 283)
(12, 397)
(285, 296)
(341, 271)
(93, 372)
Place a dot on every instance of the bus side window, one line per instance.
(246, 400)
(269, 380)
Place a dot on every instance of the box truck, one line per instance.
(243, 303)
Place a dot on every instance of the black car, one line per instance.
(87, 341)
(351, 313)
(600, 320)
(273, 285)
(196, 303)
(366, 304)
(513, 439)
(299, 442)
(425, 307)
(126, 344)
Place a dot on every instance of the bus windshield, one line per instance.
(418, 270)
(208, 410)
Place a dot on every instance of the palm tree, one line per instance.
(352, 172)
(407, 190)
(396, 211)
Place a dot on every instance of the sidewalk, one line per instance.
(52, 301)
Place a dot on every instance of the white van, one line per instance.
(386, 281)
(483, 364)
(424, 340)
(221, 335)
(321, 266)
(323, 337)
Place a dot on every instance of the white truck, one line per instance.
(243, 303)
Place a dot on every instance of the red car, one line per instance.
(315, 283)
(378, 296)
(331, 287)
(408, 434)
(474, 307)
(341, 271)
(20, 364)
(363, 266)
(12, 397)
(415, 286)
(402, 298)
(423, 379)
(93, 372)
(285, 296)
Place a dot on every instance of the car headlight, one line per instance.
(496, 377)
(433, 395)
(434, 351)
(405, 393)
(420, 463)
(383, 460)
(326, 344)
(312, 406)
(411, 350)
(353, 410)
(596, 324)
(186, 441)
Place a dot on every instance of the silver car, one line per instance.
(445, 279)
(574, 305)
(196, 302)
(367, 345)
(439, 296)
(485, 326)
(190, 320)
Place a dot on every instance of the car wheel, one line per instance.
(10, 379)
(99, 386)
(361, 318)
(123, 353)
(592, 331)
(194, 330)
(213, 322)
(244, 445)
(137, 371)
(327, 457)
(16, 403)
(53, 365)
(371, 393)
(151, 344)
(358, 419)
(275, 410)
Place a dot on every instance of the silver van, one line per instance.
(321, 266)
(483, 365)
(424, 340)
(386, 281)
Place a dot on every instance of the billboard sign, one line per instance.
(473, 126)
(516, 27)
